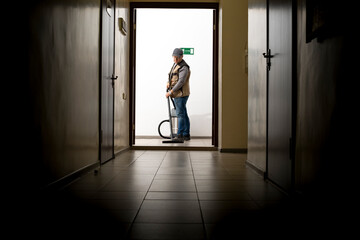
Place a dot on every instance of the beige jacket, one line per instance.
(183, 89)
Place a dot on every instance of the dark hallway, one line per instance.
(57, 188)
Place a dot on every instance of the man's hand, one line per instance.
(168, 94)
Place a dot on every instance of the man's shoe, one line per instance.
(179, 136)
(187, 137)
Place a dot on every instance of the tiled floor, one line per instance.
(165, 195)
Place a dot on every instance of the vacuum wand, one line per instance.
(171, 116)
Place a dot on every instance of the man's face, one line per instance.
(177, 59)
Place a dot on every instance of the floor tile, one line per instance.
(226, 204)
(160, 176)
(211, 172)
(239, 196)
(170, 204)
(127, 175)
(215, 177)
(146, 163)
(168, 216)
(167, 231)
(265, 193)
(143, 170)
(116, 204)
(172, 195)
(173, 186)
(118, 195)
(124, 215)
(176, 163)
(132, 187)
(175, 171)
(218, 186)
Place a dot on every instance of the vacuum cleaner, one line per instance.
(173, 122)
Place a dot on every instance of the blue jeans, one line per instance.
(183, 118)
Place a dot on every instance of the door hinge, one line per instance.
(134, 26)
(101, 136)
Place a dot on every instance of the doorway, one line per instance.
(154, 36)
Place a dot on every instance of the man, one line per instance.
(179, 89)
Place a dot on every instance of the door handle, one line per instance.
(113, 78)
(268, 55)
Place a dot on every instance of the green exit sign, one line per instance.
(188, 51)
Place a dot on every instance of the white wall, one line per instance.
(159, 31)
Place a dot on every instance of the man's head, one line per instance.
(177, 55)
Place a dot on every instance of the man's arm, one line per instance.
(182, 77)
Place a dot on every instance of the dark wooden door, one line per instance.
(107, 82)
(280, 85)
(257, 84)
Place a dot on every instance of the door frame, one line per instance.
(132, 70)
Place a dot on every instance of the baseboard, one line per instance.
(72, 176)
(62, 182)
(122, 150)
(256, 169)
(233, 150)
(264, 175)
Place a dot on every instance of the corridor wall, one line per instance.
(63, 74)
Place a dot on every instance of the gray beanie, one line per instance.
(178, 52)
